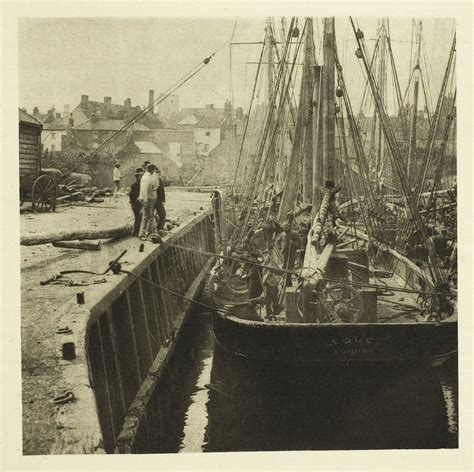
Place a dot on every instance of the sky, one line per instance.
(61, 59)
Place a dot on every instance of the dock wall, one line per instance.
(124, 337)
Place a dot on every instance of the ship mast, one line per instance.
(269, 59)
(329, 109)
(307, 91)
(314, 259)
(270, 99)
(411, 165)
(382, 81)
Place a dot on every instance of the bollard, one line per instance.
(80, 298)
(69, 351)
(142, 247)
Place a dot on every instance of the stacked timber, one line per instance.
(78, 192)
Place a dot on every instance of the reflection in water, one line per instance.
(449, 384)
(196, 415)
(232, 405)
(267, 408)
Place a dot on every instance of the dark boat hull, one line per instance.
(302, 343)
(255, 406)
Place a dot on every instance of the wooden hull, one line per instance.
(323, 406)
(427, 344)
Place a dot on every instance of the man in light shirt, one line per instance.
(117, 177)
(147, 197)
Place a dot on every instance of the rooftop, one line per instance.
(106, 109)
(198, 113)
(27, 118)
(210, 122)
(58, 124)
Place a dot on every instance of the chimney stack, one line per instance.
(71, 120)
(58, 115)
(151, 99)
(35, 111)
(66, 110)
(128, 103)
(84, 99)
(108, 100)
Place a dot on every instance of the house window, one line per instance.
(53, 135)
(95, 135)
(53, 148)
(208, 133)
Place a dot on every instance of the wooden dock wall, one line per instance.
(124, 345)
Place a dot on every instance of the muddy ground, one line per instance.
(41, 304)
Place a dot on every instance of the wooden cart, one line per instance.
(40, 189)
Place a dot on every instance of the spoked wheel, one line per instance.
(44, 193)
(344, 301)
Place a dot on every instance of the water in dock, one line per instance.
(409, 409)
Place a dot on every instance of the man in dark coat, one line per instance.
(134, 202)
(160, 201)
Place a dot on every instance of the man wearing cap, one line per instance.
(134, 202)
(144, 165)
(147, 198)
(117, 177)
(160, 200)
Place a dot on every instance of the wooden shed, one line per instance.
(30, 148)
(40, 189)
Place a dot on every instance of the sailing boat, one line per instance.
(357, 300)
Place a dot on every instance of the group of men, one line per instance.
(147, 196)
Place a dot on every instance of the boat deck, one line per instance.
(392, 306)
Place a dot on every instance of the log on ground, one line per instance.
(102, 191)
(91, 245)
(117, 232)
(69, 196)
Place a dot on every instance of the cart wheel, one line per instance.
(44, 193)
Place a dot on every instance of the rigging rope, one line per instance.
(436, 275)
(261, 159)
(248, 118)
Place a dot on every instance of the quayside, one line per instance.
(124, 337)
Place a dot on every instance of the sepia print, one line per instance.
(238, 234)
